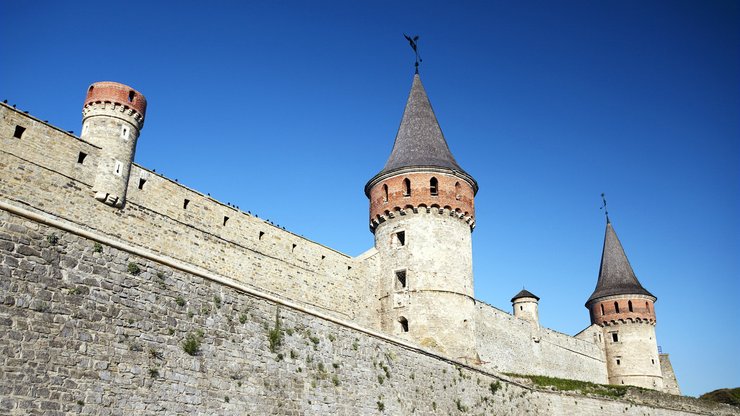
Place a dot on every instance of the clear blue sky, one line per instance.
(286, 109)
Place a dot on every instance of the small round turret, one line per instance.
(525, 305)
(112, 117)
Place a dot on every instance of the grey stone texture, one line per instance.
(85, 332)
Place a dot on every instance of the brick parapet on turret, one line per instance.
(430, 189)
(612, 310)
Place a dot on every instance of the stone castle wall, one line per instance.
(41, 170)
(85, 332)
(514, 345)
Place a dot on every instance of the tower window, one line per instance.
(433, 186)
(404, 324)
(142, 181)
(131, 96)
(619, 361)
(293, 249)
(118, 167)
(91, 89)
(457, 191)
(629, 306)
(615, 337)
(602, 309)
(125, 132)
(262, 234)
(19, 130)
(406, 187)
(521, 308)
(399, 239)
(653, 360)
(225, 219)
(616, 307)
(647, 306)
(385, 193)
(81, 157)
(400, 279)
(185, 204)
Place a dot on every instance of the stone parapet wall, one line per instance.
(40, 171)
(513, 345)
(85, 332)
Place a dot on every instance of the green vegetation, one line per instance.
(728, 396)
(180, 301)
(153, 372)
(97, 247)
(460, 406)
(217, 300)
(80, 403)
(134, 269)
(191, 345)
(583, 387)
(381, 406)
(335, 380)
(243, 318)
(495, 386)
(332, 338)
(52, 239)
(275, 335)
(227, 399)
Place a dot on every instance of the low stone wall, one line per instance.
(91, 328)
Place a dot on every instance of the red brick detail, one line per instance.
(642, 309)
(116, 93)
(449, 196)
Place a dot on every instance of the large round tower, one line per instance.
(625, 310)
(112, 117)
(422, 215)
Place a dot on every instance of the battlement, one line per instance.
(121, 96)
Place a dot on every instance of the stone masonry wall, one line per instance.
(82, 331)
(40, 170)
(510, 344)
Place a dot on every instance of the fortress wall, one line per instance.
(40, 170)
(80, 334)
(513, 345)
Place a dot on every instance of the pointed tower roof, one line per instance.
(524, 294)
(615, 274)
(419, 141)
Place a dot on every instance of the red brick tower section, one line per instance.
(112, 118)
(408, 192)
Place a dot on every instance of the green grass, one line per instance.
(191, 345)
(728, 396)
(583, 387)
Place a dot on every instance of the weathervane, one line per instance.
(412, 42)
(603, 199)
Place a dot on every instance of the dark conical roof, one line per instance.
(524, 294)
(615, 274)
(419, 141)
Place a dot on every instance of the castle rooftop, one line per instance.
(616, 276)
(419, 141)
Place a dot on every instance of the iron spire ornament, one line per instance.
(606, 212)
(412, 42)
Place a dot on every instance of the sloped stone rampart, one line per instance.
(90, 328)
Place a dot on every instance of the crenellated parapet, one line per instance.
(432, 191)
(111, 97)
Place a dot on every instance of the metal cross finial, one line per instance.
(412, 42)
(606, 212)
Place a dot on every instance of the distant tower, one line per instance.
(626, 312)
(525, 305)
(421, 212)
(112, 117)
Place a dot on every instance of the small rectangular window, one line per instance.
(19, 132)
(125, 133)
(118, 169)
(399, 239)
(142, 181)
(615, 337)
(400, 279)
(185, 204)
(619, 361)
(81, 157)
